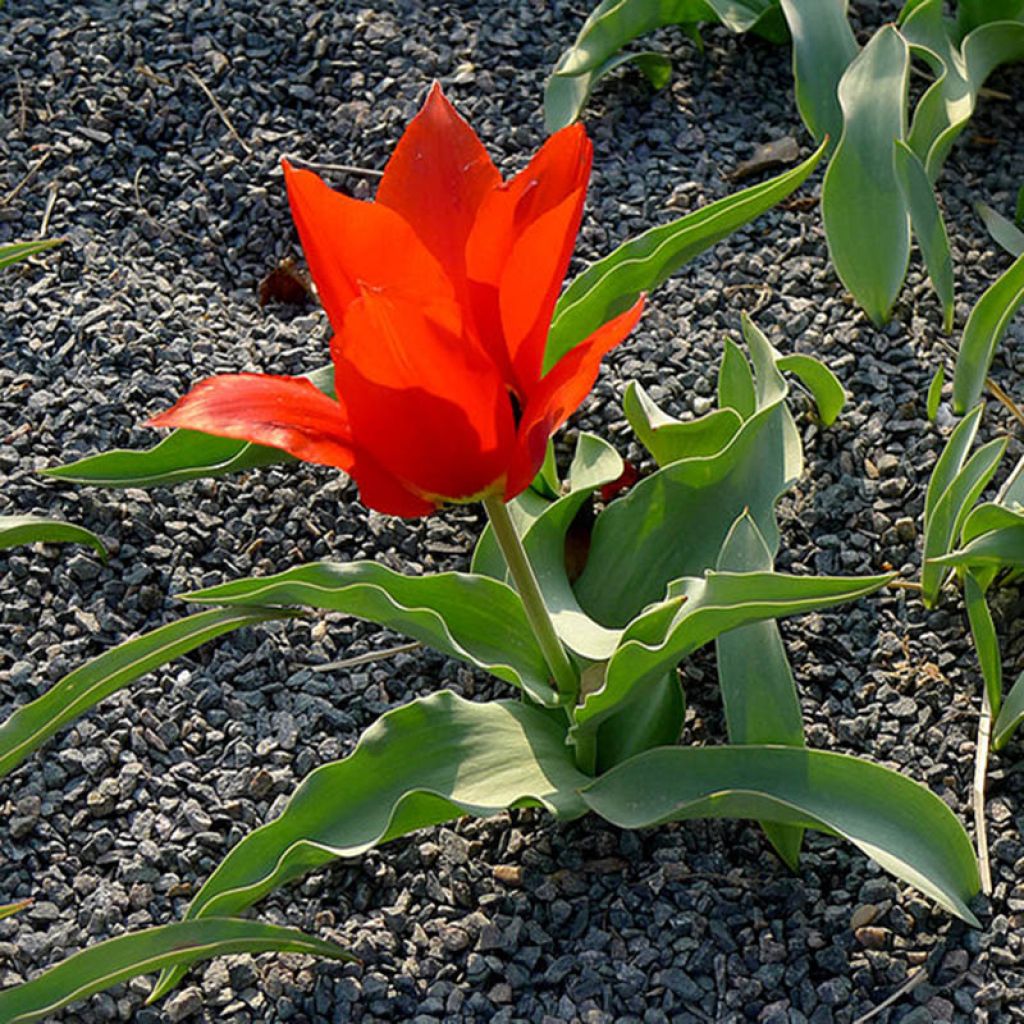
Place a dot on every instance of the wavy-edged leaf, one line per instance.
(473, 618)
(1011, 715)
(902, 825)
(668, 439)
(437, 758)
(36, 529)
(985, 328)
(170, 945)
(695, 612)
(822, 383)
(823, 47)
(14, 252)
(757, 686)
(935, 393)
(952, 460)
(929, 227)
(867, 223)
(942, 527)
(32, 724)
(654, 718)
(1004, 231)
(183, 455)
(736, 382)
(612, 284)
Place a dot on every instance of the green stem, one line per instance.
(533, 601)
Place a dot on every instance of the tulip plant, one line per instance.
(454, 360)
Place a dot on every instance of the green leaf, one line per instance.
(669, 439)
(524, 509)
(822, 383)
(758, 690)
(736, 382)
(171, 945)
(951, 461)
(184, 455)
(903, 826)
(823, 47)
(942, 527)
(16, 251)
(867, 223)
(1003, 231)
(762, 17)
(997, 549)
(986, 643)
(10, 909)
(696, 611)
(929, 228)
(1011, 715)
(985, 328)
(653, 718)
(35, 529)
(30, 725)
(612, 284)
(438, 758)
(473, 618)
(704, 493)
(935, 393)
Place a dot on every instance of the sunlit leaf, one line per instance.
(14, 252)
(35, 529)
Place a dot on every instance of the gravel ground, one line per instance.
(171, 223)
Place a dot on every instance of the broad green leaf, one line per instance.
(935, 393)
(943, 526)
(951, 461)
(823, 47)
(736, 382)
(822, 383)
(171, 945)
(10, 909)
(770, 386)
(706, 494)
(183, 455)
(30, 725)
(695, 612)
(960, 67)
(668, 439)
(867, 223)
(16, 251)
(35, 529)
(1011, 715)
(903, 826)
(654, 718)
(473, 618)
(985, 328)
(972, 14)
(438, 758)
(524, 509)
(612, 284)
(1003, 231)
(929, 228)
(986, 643)
(757, 686)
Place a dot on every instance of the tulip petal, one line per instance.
(522, 241)
(288, 413)
(350, 244)
(560, 393)
(436, 179)
(428, 406)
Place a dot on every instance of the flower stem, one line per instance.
(533, 601)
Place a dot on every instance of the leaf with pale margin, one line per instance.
(736, 382)
(935, 393)
(823, 47)
(142, 952)
(1011, 715)
(952, 460)
(612, 284)
(473, 618)
(427, 762)
(903, 826)
(824, 386)
(695, 612)
(758, 690)
(1003, 230)
(983, 633)
(14, 252)
(929, 227)
(35, 529)
(30, 725)
(867, 223)
(985, 328)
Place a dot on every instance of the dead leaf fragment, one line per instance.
(286, 283)
(771, 154)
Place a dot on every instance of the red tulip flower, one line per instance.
(440, 294)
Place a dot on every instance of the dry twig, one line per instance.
(915, 979)
(32, 172)
(368, 172)
(221, 111)
(978, 793)
(365, 659)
